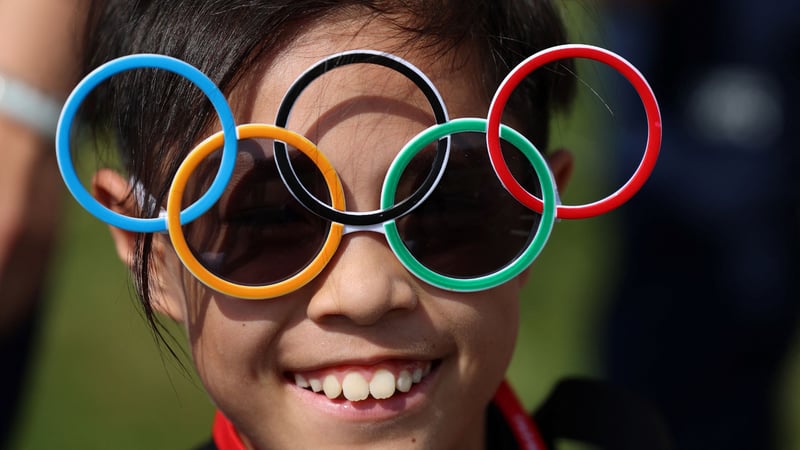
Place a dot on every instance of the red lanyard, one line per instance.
(525, 431)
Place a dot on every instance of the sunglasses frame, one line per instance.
(389, 212)
(343, 221)
(626, 69)
(336, 231)
(176, 235)
(144, 61)
(512, 268)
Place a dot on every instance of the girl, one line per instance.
(361, 353)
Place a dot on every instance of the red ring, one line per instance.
(633, 76)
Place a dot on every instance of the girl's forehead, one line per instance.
(359, 115)
(446, 67)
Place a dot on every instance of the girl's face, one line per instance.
(365, 318)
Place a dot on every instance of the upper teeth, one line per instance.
(355, 387)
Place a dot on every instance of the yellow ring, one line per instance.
(211, 280)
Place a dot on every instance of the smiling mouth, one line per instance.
(358, 383)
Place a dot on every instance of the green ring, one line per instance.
(512, 269)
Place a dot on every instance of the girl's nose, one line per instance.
(363, 283)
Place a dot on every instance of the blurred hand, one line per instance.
(39, 45)
(30, 194)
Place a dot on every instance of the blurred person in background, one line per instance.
(707, 302)
(38, 67)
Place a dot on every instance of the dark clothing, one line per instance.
(16, 350)
(707, 305)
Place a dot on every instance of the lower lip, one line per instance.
(370, 410)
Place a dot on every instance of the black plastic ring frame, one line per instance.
(366, 218)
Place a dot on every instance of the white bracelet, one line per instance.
(28, 105)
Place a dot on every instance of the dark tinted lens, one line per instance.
(257, 233)
(469, 226)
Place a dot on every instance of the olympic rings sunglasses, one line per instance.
(266, 208)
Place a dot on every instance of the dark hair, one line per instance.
(226, 38)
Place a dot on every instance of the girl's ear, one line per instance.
(166, 292)
(114, 192)
(561, 162)
(166, 284)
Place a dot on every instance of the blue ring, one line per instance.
(113, 67)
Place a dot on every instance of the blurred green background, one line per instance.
(99, 381)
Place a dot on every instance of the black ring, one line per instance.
(365, 218)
